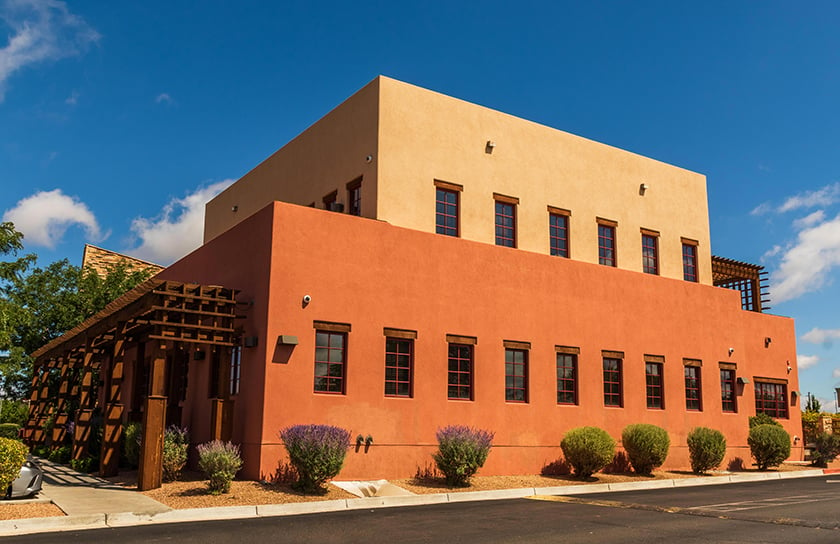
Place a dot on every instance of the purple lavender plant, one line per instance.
(317, 453)
(461, 452)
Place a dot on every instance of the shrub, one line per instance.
(769, 445)
(762, 419)
(60, 455)
(85, 464)
(316, 452)
(706, 449)
(220, 461)
(176, 443)
(14, 411)
(588, 450)
(646, 446)
(41, 451)
(461, 452)
(9, 430)
(810, 426)
(132, 439)
(826, 448)
(12, 457)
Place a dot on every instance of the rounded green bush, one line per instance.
(646, 446)
(9, 430)
(706, 449)
(588, 450)
(12, 457)
(826, 448)
(762, 419)
(769, 445)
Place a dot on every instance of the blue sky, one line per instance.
(118, 120)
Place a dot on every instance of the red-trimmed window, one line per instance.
(516, 375)
(612, 382)
(566, 378)
(460, 377)
(693, 396)
(558, 233)
(399, 356)
(446, 212)
(653, 386)
(689, 256)
(771, 399)
(650, 254)
(330, 361)
(606, 245)
(354, 197)
(727, 390)
(505, 224)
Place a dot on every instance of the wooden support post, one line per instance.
(60, 427)
(81, 436)
(150, 473)
(109, 457)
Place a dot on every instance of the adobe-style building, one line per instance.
(412, 261)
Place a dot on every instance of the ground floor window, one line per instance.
(330, 361)
(771, 399)
(399, 353)
(460, 378)
(566, 378)
(727, 390)
(612, 382)
(516, 375)
(653, 386)
(692, 389)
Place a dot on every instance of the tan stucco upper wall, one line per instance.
(425, 136)
(324, 158)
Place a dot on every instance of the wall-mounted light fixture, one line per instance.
(731, 351)
(234, 208)
(742, 381)
(789, 368)
(287, 340)
(767, 341)
(642, 188)
(488, 148)
(251, 341)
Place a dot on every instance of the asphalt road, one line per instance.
(805, 510)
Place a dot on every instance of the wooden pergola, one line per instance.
(155, 316)
(749, 279)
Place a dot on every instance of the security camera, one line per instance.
(789, 368)
(307, 299)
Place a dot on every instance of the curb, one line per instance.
(128, 519)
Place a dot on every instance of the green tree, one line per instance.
(40, 304)
(813, 404)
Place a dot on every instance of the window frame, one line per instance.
(505, 212)
(607, 242)
(693, 383)
(450, 209)
(654, 392)
(777, 407)
(354, 197)
(342, 364)
(459, 371)
(235, 370)
(650, 252)
(613, 399)
(689, 260)
(522, 387)
(729, 385)
(407, 356)
(567, 356)
(558, 245)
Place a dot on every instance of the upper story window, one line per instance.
(505, 220)
(447, 208)
(516, 371)
(330, 357)
(650, 252)
(331, 204)
(693, 389)
(728, 397)
(613, 394)
(606, 242)
(354, 197)
(460, 367)
(654, 385)
(567, 359)
(558, 231)
(689, 258)
(771, 399)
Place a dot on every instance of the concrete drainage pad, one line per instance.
(374, 488)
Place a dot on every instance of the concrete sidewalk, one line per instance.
(101, 504)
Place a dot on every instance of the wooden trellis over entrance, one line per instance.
(84, 368)
(749, 279)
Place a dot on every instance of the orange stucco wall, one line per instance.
(372, 275)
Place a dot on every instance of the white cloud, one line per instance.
(809, 199)
(177, 230)
(44, 217)
(808, 262)
(41, 31)
(821, 336)
(809, 220)
(164, 97)
(806, 361)
(73, 99)
(835, 373)
(761, 209)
